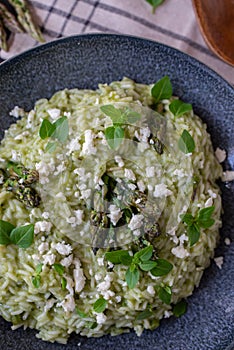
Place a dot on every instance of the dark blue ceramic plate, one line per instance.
(85, 61)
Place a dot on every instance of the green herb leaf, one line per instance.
(179, 108)
(112, 112)
(51, 147)
(59, 269)
(144, 254)
(38, 268)
(5, 231)
(204, 217)
(193, 234)
(147, 265)
(91, 325)
(132, 277)
(100, 305)
(162, 268)
(162, 89)
(180, 308)
(36, 281)
(46, 129)
(188, 219)
(81, 313)
(23, 236)
(155, 3)
(131, 116)
(186, 142)
(144, 314)
(61, 129)
(116, 256)
(63, 283)
(114, 136)
(164, 294)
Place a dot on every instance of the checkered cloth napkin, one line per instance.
(174, 24)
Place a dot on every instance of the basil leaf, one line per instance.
(46, 129)
(204, 217)
(186, 142)
(144, 314)
(112, 112)
(51, 147)
(132, 277)
(114, 136)
(59, 269)
(155, 3)
(147, 265)
(144, 254)
(100, 305)
(188, 219)
(5, 231)
(36, 281)
(38, 269)
(116, 256)
(23, 236)
(180, 308)
(164, 294)
(179, 108)
(63, 283)
(193, 234)
(162, 268)
(81, 313)
(162, 89)
(61, 129)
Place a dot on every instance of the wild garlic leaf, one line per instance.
(162, 89)
(117, 256)
(147, 265)
(23, 236)
(186, 142)
(61, 129)
(114, 136)
(100, 305)
(114, 113)
(144, 254)
(46, 129)
(179, 108)
(36, 281)
(180, 308)
(155, 3)
(5, 231)
(59, 269)
(204, 217)
(132, 277)
(193, 234)
(144, 314)
(164, 294)
(163, 267)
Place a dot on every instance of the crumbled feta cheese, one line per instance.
(70, 284)
(161, 190)
(60, 168)
(101, 318)
(115, 214)
(79, 171)
(179, 173)
(88, 145)
(71, 220)
(49, 258)
(227, 241)
(212, 194)
(15, 156)
(44, 169)
(36, 258)
(62, 248)
(68, 304)
(45, 215)
(150, 171)
(180, 252)
(143, 134)
(17, 112)
(137, 233)
(43, 247)
(167, 314)
(98, 277)
(100, 261)
(79, 216)
(118, 299)
(119, 161)
(85, 194)
(141, 185)
(104, 287)
(73, 145)
(54, 113)
(136, 222)
(150, 290)
(228, 176)
(132, 187)
(209, 202)
(42, 226)
(129, 174)
(220, 154)
(66, 262)
(183, 238)
(78, 275)
(49, 304)
(219, 261)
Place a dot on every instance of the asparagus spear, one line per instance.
(3, 42)
(9, 20)
(25, 19)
